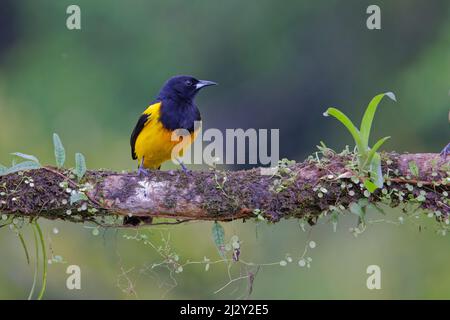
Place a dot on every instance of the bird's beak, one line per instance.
(204, 83)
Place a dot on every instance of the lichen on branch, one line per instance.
(325, 184)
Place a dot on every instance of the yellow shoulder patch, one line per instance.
(153, 109)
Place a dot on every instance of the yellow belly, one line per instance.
(155, 143)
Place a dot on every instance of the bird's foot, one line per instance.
(183, 167)
(142, 172)
(445, 151)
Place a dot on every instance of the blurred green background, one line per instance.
(279, 65)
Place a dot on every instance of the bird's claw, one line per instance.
(183, 167)
(142, 172)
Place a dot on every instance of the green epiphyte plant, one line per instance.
(369, 160)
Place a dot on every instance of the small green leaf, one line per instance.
(366, 123)
(77, 196)
(363, 202)
(356, 209)
(26, 156)
(413, 168)
(350, 127)
(376, 174)
(218, 235)
(22, 166)
(60, 153)
(80, 166)
(370, 186)
(421, 198)
(374, 149)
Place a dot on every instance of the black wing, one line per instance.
(137, 130)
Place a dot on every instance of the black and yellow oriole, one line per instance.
(151, 140)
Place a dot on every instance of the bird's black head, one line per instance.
(183, 87)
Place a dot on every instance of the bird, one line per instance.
(174, 108)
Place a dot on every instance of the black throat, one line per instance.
(178, 113)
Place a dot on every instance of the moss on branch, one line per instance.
(318, 186)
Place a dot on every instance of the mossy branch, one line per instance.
(302, 190)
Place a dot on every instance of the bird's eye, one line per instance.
(188, 83)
